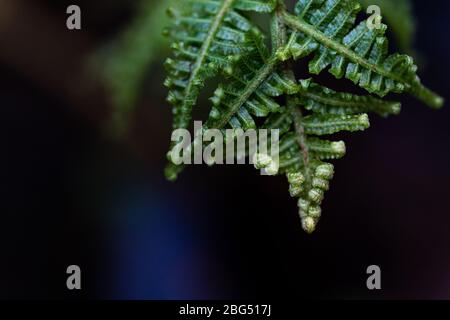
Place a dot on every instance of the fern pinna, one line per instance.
(213, 38)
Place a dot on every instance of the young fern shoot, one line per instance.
(217, 38)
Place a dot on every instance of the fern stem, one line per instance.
(301, 136)
(306, 28)
(296, 114)
(423, 94)
(278, 28)
(294, 111)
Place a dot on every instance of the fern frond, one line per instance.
(302, 155)
(326, 101)
(323, 149)
(326, 150)
(254, 85)
(326, 28)
(213, 37)
(323, 125)
(206, 32)
(399, 16)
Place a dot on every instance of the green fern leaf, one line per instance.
(301, 155)
(206, 32)
(322, 125)
(322, 149)
(326, 28)
(399, 16)
(261, 83)
(253, 84)
(251, 89)
(326, 101)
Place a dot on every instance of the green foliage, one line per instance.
(399, 16)
(216, 38)
(326, 28)
(205, 34)
(126, 60)
(251, 89)
(322, 100)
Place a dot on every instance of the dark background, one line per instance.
(72, 195)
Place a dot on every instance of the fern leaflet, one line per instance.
(215, 38)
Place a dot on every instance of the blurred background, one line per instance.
(84, 133)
